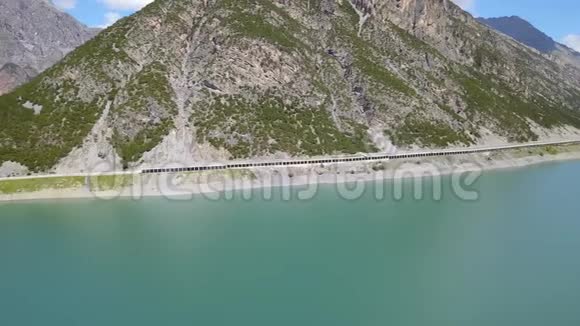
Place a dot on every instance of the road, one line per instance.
(354, 158)
(314, 161)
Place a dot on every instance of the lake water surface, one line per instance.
(510, 258)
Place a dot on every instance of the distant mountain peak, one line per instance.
(35, 34)
(523, 31)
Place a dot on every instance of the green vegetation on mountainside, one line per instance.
(248, 19)
(40, 140)
(509, 110)
(426, 132)
(147, 111)
(254, 26)
(366, 61)
(247, 129)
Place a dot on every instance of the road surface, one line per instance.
(315, 161)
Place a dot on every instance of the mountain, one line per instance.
(12, 75)
(33, 36)
(205, 80)
(524, 32)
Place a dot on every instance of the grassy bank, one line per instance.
(202, 177)
(39, 184)
(111, 182)
(118, 182)
(97, 183)
(543, 151)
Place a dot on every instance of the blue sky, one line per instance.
(558, 18)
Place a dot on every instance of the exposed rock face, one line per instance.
(12, 169)
(33, 36)
(12, 75)
(526, 33)
(190, 81)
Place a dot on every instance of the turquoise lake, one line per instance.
(510, 258)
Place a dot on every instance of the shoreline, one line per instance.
(185, 186)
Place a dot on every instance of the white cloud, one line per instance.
(468, 5)
(573, 41)
(110, 19)
(126, 4)
(65, 4)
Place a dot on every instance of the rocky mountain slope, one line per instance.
(33, 36)
(186, 81)
(524, 32)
